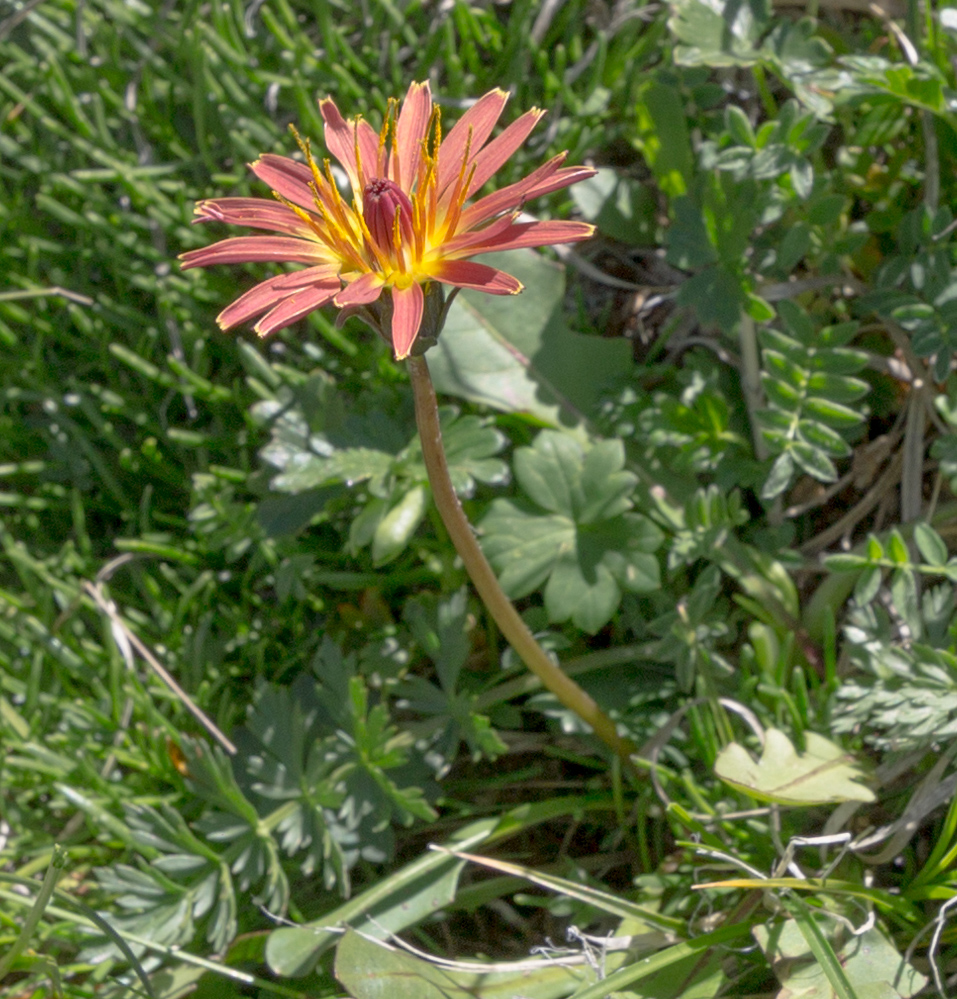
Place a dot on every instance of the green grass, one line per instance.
(368, 702)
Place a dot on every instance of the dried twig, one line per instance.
(127, 640)
(857, 513)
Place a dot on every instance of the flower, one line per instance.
(408, 224)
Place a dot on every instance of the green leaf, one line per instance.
(823, 774)
(831, 412)
(846, 563)
(782, 367)
(470, 444)
(587, 548)
(836, 387)
(439, 628)
(897, 548)
(663, 137)
(758, 309)
(562, 477)
(779, 478)
(622, 207)
(718, 34)
(868, 585)
(738, 125)
(718, 295)
(780, 394)
(903, 587)
(802, 178)
(875, 550)
(869, 963)
(687, 239)
(818, 434)
(186, 884)
(523, 547)
(814, 461)
(390, 905)
(826, 210)
(370, 969)
(930, 544)
(588, 600)
(516, 353)
(307, 471)
(394, 530)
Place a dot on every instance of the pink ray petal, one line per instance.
(294, 307)
(361, 291)
(286, 177)
(268, 293)
(373, 159)
(510, 197)
(256, 249)
(480, 118)
(481, 277)
(488, 161)
(517, 236)
(561, 178)
(341, 139)
(410, 132)
(408, 305)
(459, 245)
(257, 213)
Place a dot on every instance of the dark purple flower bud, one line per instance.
(382, 200)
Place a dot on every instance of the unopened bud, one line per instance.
(382, 200)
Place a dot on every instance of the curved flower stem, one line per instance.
(499, 606)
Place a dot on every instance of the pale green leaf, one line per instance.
(832, 412)
(622, 207)
(813, 461)
(738, 125)
(390, 905)
(523, 547)
(802, 178)
(588, 546)
(868, 585)
(516, 353)
(370, 969)
(870, 962)
(823, 774)
(930, 544)
(304, 470)
(779, 477)
(718, 34)
(395, 529)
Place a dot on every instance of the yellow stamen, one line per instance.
(394, 154)
(338, 206)
(384, 264)
(301, 212)
(307, 152)
(397, 239)
(360, 173)
(429, 192)
(454, 212)
(457, 198)
(387, 126)
(436, 124)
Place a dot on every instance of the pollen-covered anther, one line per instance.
(386, 209)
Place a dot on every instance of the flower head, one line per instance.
(409, 221)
